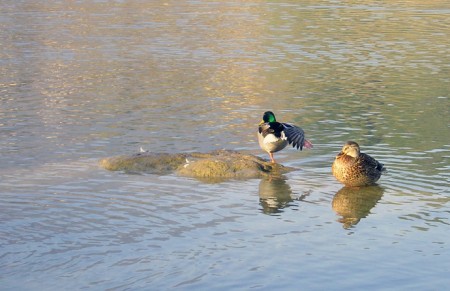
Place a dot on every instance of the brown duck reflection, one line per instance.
(274, 194)
(354, 203)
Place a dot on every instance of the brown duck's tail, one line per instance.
(381, 168)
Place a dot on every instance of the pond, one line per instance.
(80, 81)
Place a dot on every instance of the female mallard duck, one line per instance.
(274, 136)
(353, 168)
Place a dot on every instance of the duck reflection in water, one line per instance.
(275, 194)
(354, 203)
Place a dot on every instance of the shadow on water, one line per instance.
(355, 203)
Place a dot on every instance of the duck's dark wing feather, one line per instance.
(295, 135)
(371, 163)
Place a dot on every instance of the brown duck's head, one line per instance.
(351, 148)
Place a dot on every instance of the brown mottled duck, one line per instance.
(353, 168)
(274, 136)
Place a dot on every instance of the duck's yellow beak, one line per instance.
(262, 121)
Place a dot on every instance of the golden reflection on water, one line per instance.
(355, 203)
(244, 56)
(372, 72)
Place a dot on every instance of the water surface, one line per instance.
(81, 81)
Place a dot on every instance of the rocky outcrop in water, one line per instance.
(220, 165)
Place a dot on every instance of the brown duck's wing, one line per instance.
(295, 135)
(370, 163)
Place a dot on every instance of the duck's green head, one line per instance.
(351, 148)
(268, 117)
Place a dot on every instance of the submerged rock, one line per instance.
(153, 163)
(221, 164)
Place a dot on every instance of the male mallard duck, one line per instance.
(353, 168)
(274, 136)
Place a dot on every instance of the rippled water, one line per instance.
(81, 81)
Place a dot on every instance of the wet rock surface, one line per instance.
(221, 164)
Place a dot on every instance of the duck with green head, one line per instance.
(273, 136)
(354, 169)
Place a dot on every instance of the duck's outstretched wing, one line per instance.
(296, 136)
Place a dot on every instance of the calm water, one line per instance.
(84, 80)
